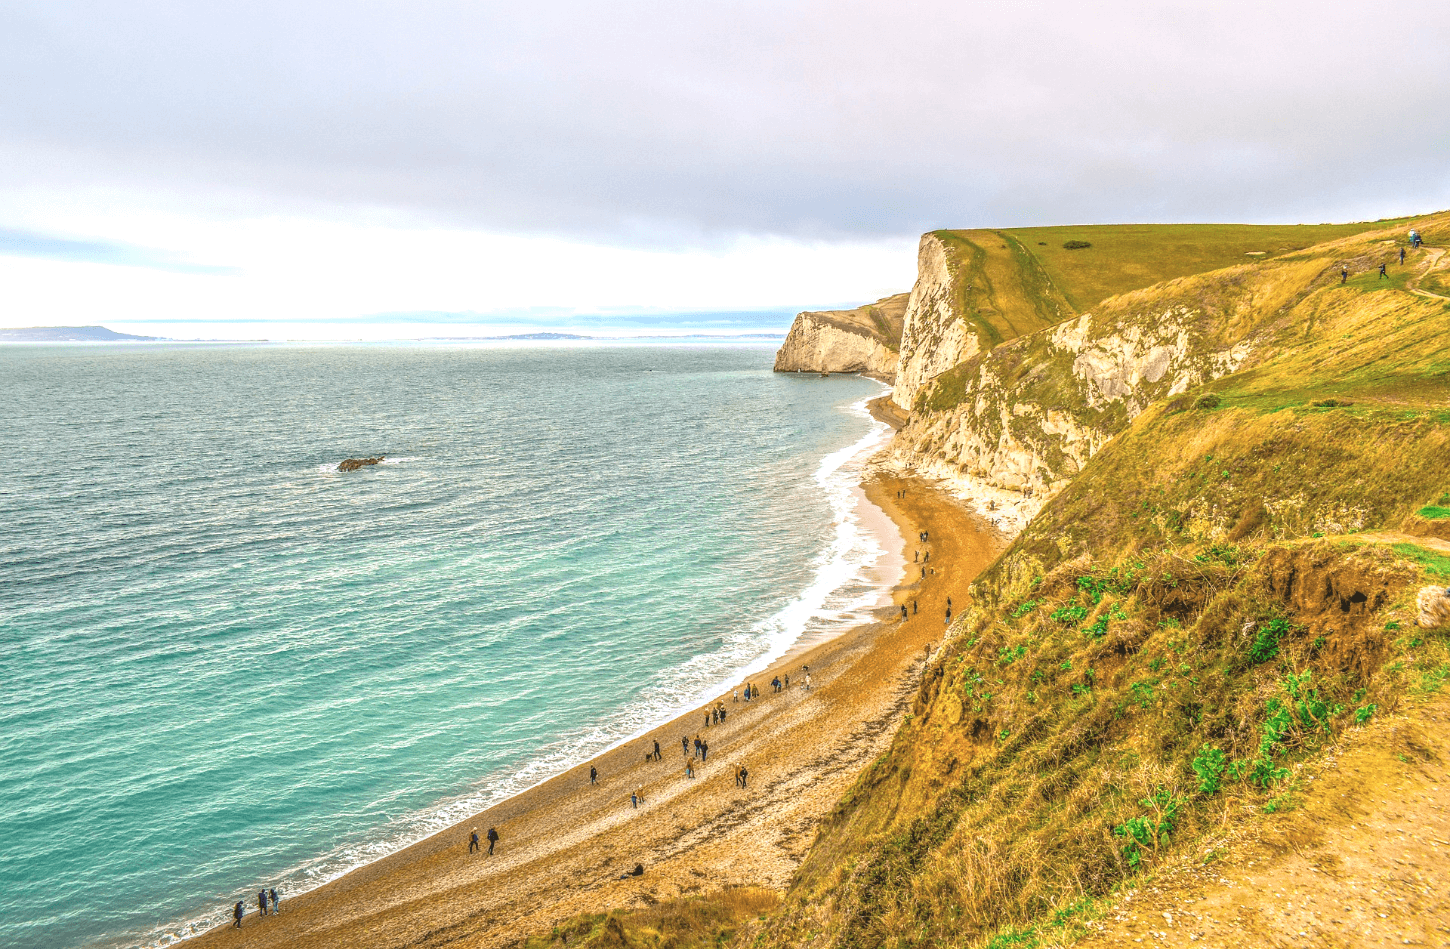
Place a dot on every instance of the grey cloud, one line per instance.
(651, 121)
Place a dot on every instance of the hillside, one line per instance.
(1229, 494)
(866, 340)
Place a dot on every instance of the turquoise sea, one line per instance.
(224, 665)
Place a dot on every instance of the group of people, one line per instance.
(473, 846)
(263, 898)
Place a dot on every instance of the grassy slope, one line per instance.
(1126, 257)
(1163, 604)
(1174, 603)
(881, 320)
(1000, 289)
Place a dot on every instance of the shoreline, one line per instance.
(872, 581)
(565, 843)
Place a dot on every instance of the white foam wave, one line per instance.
(839, 595)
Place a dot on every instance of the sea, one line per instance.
(226, 665)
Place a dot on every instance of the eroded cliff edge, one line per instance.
(865, 340)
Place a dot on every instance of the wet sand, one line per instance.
(565, 844)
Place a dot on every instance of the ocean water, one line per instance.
(224, 665)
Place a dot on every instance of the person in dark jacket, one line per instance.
(237, 914)
(492, 839)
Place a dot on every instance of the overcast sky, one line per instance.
(368, 168)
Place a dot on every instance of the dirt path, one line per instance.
(1432, 264)
(1384, 537)
(1364, 859)
(566, 845)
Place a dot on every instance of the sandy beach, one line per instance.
(566, 844)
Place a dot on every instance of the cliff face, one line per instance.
(974, 290)
(863, 340)
(1010, 428)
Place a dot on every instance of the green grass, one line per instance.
(1434, 512)
(1126, 257)
(1432, 562)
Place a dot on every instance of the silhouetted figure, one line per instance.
(1402, 255)
(473, 841)
(262, 902)
(685, 745)
(237, 914)
(744, 776)
(1384, 274)
(657, 751)
(593, 775)
(913, 607)
(492, 839)
(704, 751)
(903, 611)
(275, 900)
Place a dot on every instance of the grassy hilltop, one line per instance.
(1206, 604)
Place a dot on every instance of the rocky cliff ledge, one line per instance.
(865, 340)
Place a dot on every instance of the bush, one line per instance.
(1364, 713)
(1209, 400)
(1266, 643)
(1209, 765)
(1075, 245)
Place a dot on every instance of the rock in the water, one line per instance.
(353, 464)
(1434, 604)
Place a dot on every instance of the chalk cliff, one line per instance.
(863, 340)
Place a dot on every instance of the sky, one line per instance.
(377, 169)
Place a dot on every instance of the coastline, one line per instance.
(565, 843)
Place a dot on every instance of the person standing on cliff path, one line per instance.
(1402, 255)
(473, 841)
(492, 840)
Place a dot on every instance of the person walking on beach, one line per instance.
(808, 682)
(689, 771)
(237, 912)
(787, 681)
(262, 902)
(634, 799)
(273, 893)
(744, 776)
(913, 607)
(735, 695)
(657, 751)
(704, 751)
(685, 745)
(492, 839)
(593, 775)
(473, 841)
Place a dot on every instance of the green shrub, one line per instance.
(1024, 609)
(1266, 643)
(1434, 512)
(1209, 400)
(1364, 713)
(1209, 765)
(1072, 615)
(1076, 245)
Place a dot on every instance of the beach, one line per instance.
(566, 846)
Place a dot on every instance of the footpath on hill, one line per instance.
(567, 846)
(1361, 858)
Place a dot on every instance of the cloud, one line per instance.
(17, 243)
(658, 123)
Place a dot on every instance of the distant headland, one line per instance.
(69, 334)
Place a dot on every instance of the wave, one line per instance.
(841, 592)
